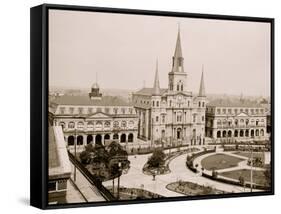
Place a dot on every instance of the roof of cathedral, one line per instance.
(233, 103)
(149, 91)
(85, 100)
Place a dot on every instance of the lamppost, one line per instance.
(75, 145)
(118, 180)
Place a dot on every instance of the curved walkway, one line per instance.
(136, 179)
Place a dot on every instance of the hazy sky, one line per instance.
(123, 50)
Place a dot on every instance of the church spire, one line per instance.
(202, 85)
(178, 52)
(156, 86)
(177, 58)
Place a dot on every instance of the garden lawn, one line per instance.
(248, 154)
(220, 161)
(258, 176)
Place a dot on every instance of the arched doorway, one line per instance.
(257, 132)
(70, 141)
(219, 134)
(252, 133)
(224, 133)
(89, 139)
(179, 134)
(247, 133)
(123, 138)
(115, 137)
(80, 140)
(229, 134)
(241, 133)
(106, 137)
(130, 138)
(98, 139)
(236, 133)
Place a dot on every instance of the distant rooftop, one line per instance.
(85, 100)
(233, 103)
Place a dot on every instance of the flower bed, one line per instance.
(189, 188)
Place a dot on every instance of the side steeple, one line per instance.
(156, 85)
(202, 92)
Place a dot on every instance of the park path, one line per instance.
(136, 179)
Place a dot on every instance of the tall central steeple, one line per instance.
(177, 76)
(177, 58)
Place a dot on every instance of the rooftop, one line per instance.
(149, 91)
(85, 100)
(233, 103)
(59, 164)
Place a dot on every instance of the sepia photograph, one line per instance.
(149, 107)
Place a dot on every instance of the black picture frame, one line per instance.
(39, 102)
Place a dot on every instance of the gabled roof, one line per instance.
(149, 91)
(85, 100)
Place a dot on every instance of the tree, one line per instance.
(157, 159)
(267, 175)
(241, 180)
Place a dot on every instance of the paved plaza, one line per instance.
(135, 178)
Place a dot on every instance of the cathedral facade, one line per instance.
(172, 115)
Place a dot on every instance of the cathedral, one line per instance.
(173, 115)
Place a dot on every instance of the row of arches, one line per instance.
(99, 139)
(240, 133)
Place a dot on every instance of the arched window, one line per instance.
(157, 103)
(181, 87)
(80, 140)
(107, 124)
(116, 124)
(247, 122)
(178, 87)
(98, 125)
(80, 125)
(262, 132)
(218, 122)
(131, 124)
(90, 125)
(70, 140)
(218, 134)
(241, 133)
(62, 124)
(252, 133)
(235, 133)
(89, 139)
(153, 103)
(123, 138)
(115, 137)
(71, 125)
(199, 104)
(247, 133)
(257, 132)
(257, 122)
(106, 137)
(236, 122)
(130, 138)
(229, 134)
(224, 133)
(241, 121)
(124, 124)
